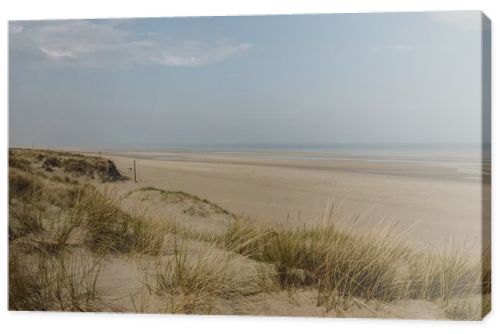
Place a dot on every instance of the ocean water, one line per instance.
(466, 160)
(344, 148)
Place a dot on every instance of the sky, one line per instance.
(343, 78)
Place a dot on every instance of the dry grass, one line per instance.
(465, 308)
(93, 168)
(25, 190)
(54, 219)
(77, 165)
(110, 229)
(486, 280)
(24, 220)
(343, 265)
(56, 228)
(443, 275)
(17, 161)
(52, 283)
(23, 185)
(181, 196)
(193, 284)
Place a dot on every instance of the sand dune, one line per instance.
(242, 235)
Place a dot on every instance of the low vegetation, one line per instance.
(199, 206)
(78, 165)
(343, 265)
(49, 283)
(63, 230)
(194, 283)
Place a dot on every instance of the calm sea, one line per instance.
(465, 159)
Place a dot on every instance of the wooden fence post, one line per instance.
(135, 173)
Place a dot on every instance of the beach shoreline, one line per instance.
(430, 202)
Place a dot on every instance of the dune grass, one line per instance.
(52, 283)
(51, 220)
(343, 265)
(56, 229)
(190, 285)
(196, 282)
(24, 218)
(184, 196)
(111, 229)
(24, 185)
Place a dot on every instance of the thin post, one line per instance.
(135, 173)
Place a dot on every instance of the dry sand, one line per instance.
(431, 204)
(205, 191)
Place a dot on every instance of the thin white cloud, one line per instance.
(198, 54)
(57, 54)
(102, 44)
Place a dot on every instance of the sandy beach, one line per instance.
(260, 233)
(431, 201)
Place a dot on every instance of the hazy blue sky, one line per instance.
(348, 78)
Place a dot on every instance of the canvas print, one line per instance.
(333, 165)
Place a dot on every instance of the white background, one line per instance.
(127, 323)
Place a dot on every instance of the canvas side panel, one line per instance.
(486, 162)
